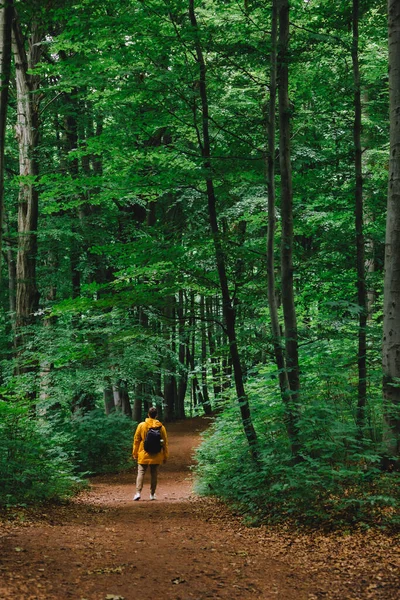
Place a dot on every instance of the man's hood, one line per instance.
(153, 422)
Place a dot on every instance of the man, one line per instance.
(156, 453)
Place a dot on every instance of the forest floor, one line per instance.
(102, 545)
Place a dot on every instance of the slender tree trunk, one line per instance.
(216, 375)
(108, 396)
(6, 17)
(192, 352)
(272, 303)
(12, 275)
(360, 246)
(290, 416)
(12, 281)
(196, 392)
(126, 407)
(138, 403)
(121, 398)
(289, 311)
(170, 385)
(228, 308)
(391, 314)
(183, 343)
(117, 397)
(204, 385)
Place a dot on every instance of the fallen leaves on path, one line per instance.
(367, 562)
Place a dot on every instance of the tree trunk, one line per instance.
(228, 308)
(204, 384)
(138, 403)
(360, 246)
(6, 17)
(289, 311)
(290, 414)
(272, 303)
(126, 407)
(12, 276)
(170, 385)
(12, 281)
(27, 295)
(108, 397)
(391, 314)
(215, 368)
(182, 352)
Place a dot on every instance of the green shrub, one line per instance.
(100, 443)
(34, 465)
(339, 480)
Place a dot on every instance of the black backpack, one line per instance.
(153, 441)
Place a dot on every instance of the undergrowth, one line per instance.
(338, 483)
(46, 458)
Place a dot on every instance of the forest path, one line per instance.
(105, 546)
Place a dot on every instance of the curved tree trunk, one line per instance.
(227, 304)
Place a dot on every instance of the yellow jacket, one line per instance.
(139, 453)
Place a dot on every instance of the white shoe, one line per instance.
(153, 497)
(136, 496)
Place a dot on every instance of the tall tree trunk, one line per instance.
(272, 303)
(289, 311)
(196, 391)
(170, 385)
(228, 308)
(183, 340)
(27, 296)
(204, 385)
(391, 314)
(6, 17)
(360, 246)
(215, 368)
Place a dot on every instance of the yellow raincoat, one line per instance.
(139, 453)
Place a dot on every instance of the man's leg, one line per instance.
(154, 474)
(140, 476)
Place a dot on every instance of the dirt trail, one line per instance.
(105, 546)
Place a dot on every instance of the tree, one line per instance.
(27, 133)
(359, 226)
(289, 311)
(227, 304)
(391, 314)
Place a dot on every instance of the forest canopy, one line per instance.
(193, 207)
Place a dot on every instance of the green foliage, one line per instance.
(339, 480)
(320, 491)
(34, 463)
(44, 459)
(100, 443)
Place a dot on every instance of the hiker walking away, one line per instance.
(150, 447)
